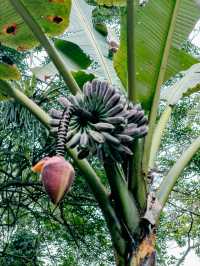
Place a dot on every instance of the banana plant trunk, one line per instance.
(143, 255)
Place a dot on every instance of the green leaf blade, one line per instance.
(52, 16)
(154, 44)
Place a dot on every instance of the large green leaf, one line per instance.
(73, 56)
(73, 53)
(161, 28)
(52, 16)
(187, 85)
(82, 32)
(75, 59)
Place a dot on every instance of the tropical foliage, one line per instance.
(150, 65)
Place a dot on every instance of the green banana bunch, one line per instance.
(103, 122)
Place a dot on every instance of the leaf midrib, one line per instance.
(92, 39)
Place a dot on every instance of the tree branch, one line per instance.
(16, 183)
(184, 210)
(45, 42)
(181, 260)
(170, 180)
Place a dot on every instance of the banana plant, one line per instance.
(103, 120)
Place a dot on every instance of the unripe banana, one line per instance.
(115, 110)
(103, 89)
(132, 131)
(96, 136)
(54, 122)
(123, 149)
(55, 113)
(70, 134)
(142, 121)
(84, 140)
(110, 91)
(74, 141)
(73, 100)
(104, 126)
(114, 120)
(143, 131)
(132, 114)
(54, 130)
(86, 89)
(131, 125)
(124, 138)
(110, 138)
(64, 102)
(114, 100)
(95, 84)
(139, 116)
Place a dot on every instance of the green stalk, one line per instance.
(137, 182)
(125, 204)
(45, 42)
(135, 178)
(161, 77)
(41, 115)
(158, 133)
(92, 179)
(131, 50)
(170, 180)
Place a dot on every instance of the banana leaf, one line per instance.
(52, 16)
(161, 27)
(188, 84)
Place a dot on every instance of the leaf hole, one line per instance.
(10, 29)
(57, 19)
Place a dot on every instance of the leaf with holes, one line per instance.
(82, 32)
(52, 16)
